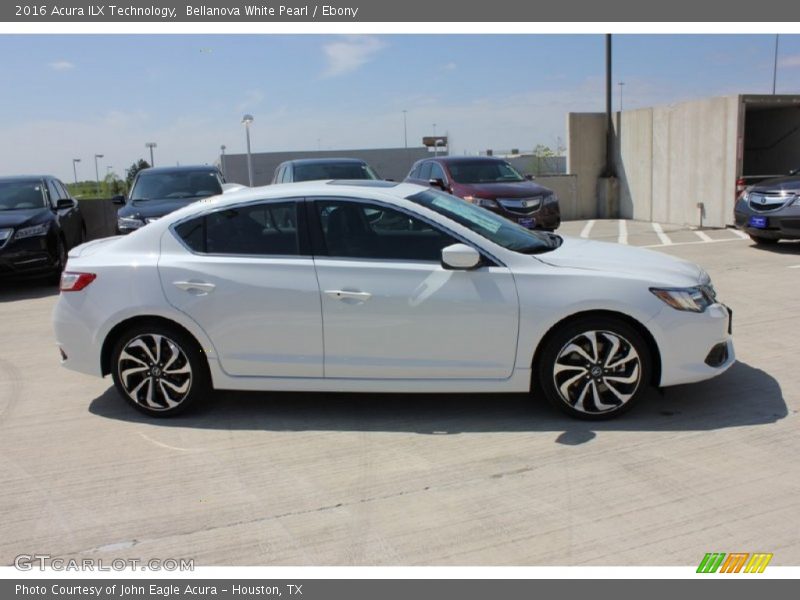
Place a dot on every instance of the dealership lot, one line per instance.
(316, 479)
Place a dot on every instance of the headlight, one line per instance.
(484, 202)
(129, 223)
(551, 199)
(694, 299)
(5, 234)
(33, 230)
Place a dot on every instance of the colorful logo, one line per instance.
(735, 562)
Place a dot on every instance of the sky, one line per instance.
(74, 96)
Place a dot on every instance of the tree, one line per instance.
(131, 171)
(112, 185)
(541, 154)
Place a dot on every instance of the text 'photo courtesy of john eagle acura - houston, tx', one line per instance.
(377, 286)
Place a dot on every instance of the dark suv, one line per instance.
(770, 210)
(39, 223)
(158, 191)
(493, 184)
(311, 169)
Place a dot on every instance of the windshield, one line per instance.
(19, 195)
(346, 170)
(487, 224)
(484, 171)
(186, 184)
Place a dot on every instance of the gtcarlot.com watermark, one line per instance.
(42, 562)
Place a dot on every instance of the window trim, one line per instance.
(303, 244)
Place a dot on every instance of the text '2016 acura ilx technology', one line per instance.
(381, 287)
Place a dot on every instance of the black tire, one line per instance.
(61, 257)
(764, 241)
(573, 383)
(159, 387)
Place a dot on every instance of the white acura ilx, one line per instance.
(381, 287)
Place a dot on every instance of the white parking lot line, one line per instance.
(741, 234)
(795, 267)
(587, 228)
(665, 241)
(623, 232)
(693, 243)
(703, 236)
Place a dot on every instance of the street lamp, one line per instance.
(151, 145)
(74, 170)
(96, 171)
(246, 121)
(222, 161)
(775, 65)
(620, 84)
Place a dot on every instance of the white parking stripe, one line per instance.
(692, 243)
(665, 241)
(741, 234)
(703, 236)
(587, 228)
(623, 232)
(795, 267)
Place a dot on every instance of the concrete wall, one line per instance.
(566, 188)
(390, 163)
(586, 151)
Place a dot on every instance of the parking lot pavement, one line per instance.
(649, 235)
(318, 479)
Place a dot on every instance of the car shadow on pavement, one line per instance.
(26, 289)
(742, 396)
(783, 247)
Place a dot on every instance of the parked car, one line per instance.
(381, 287)
(39, 223)
(158, 191)
(493, 184)
(769, 211)
(311, 169)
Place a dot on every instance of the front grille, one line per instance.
(765, 201)
(521, 206)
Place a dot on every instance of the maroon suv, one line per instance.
(493, 184)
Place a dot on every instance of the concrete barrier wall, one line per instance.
(586, 134)
(100, 217)
(566, 188)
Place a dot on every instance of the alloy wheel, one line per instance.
(597, 371)
(154, 372)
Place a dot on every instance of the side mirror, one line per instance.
(460, 257)
(66, 203)
(118, 199)
(438, 182)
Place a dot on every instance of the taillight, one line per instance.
(75, 282)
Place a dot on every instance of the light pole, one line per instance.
(246, 121)
(222, 161)
(775, 65)
(96, 171)
(620, 84)
(151, 145)
(74, 169)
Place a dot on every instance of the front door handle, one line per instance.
(348, 295)
(198, 288)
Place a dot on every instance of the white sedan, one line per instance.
(381, 287)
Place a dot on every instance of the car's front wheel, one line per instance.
(594, 367)
(159, 370)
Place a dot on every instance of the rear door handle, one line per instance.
(348, 295)
(199, 288)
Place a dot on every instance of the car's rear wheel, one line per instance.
(594, 367)
(763, 241)
(159, 370)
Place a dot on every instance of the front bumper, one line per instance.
(783, 223)
(29, 256)
(693, 346)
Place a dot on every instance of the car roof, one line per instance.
(317, 161)
(180, 169)
(467, 159)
